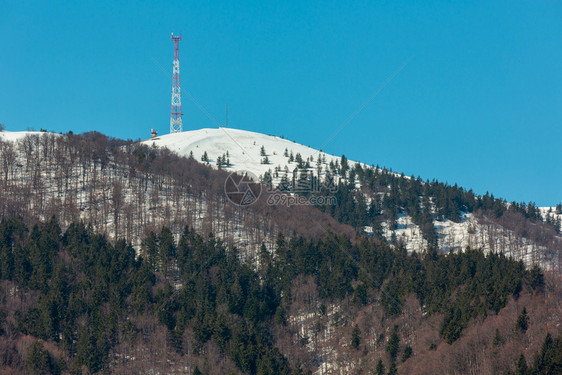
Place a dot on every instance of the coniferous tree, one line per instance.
(521, 366)
(522, 321)
(393, 344)
(267, 179)
(167, 249)
(407, 353)
(498, 341)
(344, 166)
(356, 337)
(38, 359)
(380, 368)
(536, 277)
(149, 251)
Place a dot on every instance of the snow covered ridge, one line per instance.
(16, 136)
(242, 150)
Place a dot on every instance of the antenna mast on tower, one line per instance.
(176, 125)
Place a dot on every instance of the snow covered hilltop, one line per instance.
(244, 150)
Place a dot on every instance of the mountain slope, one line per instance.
(322, 300)
(479, 229)
(127, 189)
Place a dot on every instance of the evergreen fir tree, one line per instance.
(407, 353)
(497, 339)
(380, 368)
(521, 366)
(393, 344)
(344, 165)
(38, 359)
(356, 337)
(522, 321)
(298, 159)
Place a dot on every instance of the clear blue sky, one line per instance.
(479, 102)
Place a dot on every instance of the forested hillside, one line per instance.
(126, 189)
(389, 203)
(419, 213)
(117, 257)
(73, 301)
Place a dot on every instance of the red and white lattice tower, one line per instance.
(176, 125)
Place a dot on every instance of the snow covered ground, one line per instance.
(243, 148)
(469, 233)
(15, 136)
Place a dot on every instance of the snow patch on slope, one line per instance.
(469, 232)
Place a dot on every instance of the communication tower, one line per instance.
(176, 125)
